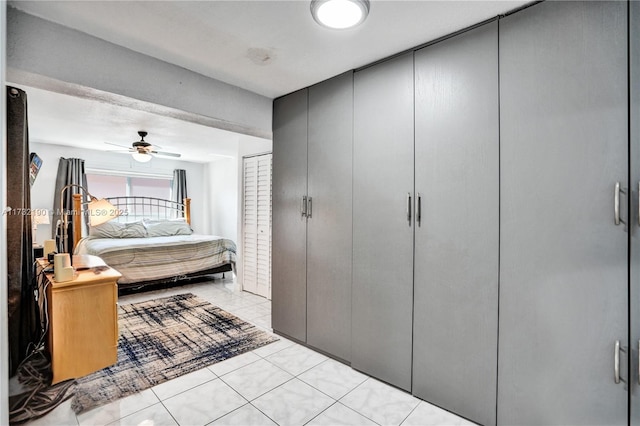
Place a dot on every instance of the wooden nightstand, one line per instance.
(83, 322)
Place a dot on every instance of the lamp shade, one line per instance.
(40, 217)
(101, 211)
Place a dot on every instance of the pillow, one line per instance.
(166, 228)
(119, 230)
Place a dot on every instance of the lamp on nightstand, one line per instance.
(100, 211)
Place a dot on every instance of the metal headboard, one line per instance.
(134, 208)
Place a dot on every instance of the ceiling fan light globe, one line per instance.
(141, 158)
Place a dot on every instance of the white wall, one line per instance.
(223, 207)
(43, 54)
(42, 191)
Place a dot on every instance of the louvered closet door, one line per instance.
(563, 261)
(250, 225)
(257, 225)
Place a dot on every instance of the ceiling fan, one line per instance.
(143, 151)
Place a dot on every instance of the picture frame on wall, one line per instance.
(34, 167)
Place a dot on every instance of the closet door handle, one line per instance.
(409, 207)
(639, 362)
(639, 225)
(309, 207)
(616, 204)
(419, 209)
(303, 206)
(616, 362)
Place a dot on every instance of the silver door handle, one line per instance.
(419, 208)
(616, 204)
(616, 362)
(303, 207)
(409, 207)
(309, 207)
(639, 225)
(639, 362)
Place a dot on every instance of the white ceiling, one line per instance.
(61, 119)
(268, 47)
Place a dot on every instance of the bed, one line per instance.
(151, 242)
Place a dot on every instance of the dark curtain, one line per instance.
(23, 327)
(70, 171)
(179, 185)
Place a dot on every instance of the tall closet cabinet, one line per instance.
(383, 221)
(455, 314)
(564, 225)
(312, 215)
(494, 214)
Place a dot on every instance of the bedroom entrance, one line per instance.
(256, 225)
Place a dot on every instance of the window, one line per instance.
(118, 185)
(103, 184)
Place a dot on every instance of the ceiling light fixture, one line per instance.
(140, 157)
(339, 14)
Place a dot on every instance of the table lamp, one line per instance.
(100, 211)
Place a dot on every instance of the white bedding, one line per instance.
(154, 258)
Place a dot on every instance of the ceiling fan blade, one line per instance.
(166, 154)
(121, 146)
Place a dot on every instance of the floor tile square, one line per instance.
(296, 359)
(183, 383)
(245, 416)
(333, 378)
(255, 379)
(204, 404)
(118, 409)
(380, 402)
(426, 414)
(339, 415)
(274, 347)
(155, 415)
(293, 403)
(233, 363)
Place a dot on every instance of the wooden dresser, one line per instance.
(83, 322)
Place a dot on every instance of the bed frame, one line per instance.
(136, 208)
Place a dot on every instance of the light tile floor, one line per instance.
(283, 383)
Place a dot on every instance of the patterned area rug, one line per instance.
(163, 339)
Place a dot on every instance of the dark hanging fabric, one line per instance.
(23, 317)
(70, 171)
(179, 185)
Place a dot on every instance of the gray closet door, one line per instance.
(329, 224)
(382, 297)
(563, 262)
(288, 276)
(634, 223)
(455, 328)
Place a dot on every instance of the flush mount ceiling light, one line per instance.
(339, 14)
